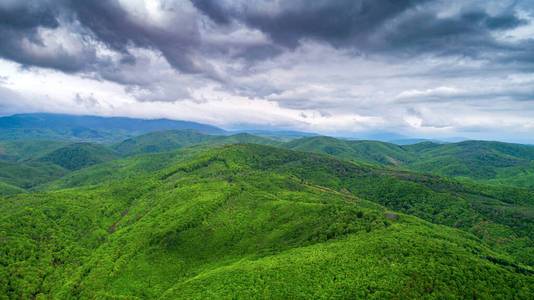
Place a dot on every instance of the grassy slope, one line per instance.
(254, 221)
(79, 155)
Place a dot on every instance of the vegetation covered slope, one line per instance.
(46, 165)
(367, 151)
(142, 164)
(251, 221)
(164, 141)
(492, 162)
(8, 189)
(480, 161)
(79, 155)
(125, 168)
(27, 150)
(26, 175)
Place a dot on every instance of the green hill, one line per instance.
(367, 151)
(479, 161)
(252, 221)
(161, 141)
(141, 164)
(27, 150)
(29, 174)
(246, 138)
(125, 168)
(168, 140)
(491, 162)
(8, 189)
(79, 155)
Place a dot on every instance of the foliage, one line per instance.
(8, 189)
(27, 150)
(163, 141)
(29, 174)
(79, 155)
(252, 221)
(367, 151)
(125, 168)
(478, 161)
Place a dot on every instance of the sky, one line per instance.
(421, 68)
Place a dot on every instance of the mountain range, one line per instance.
(185, 213)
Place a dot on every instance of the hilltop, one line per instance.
(479, 161)
(164, 141)
(79, 155)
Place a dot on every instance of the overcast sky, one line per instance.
(341, 67)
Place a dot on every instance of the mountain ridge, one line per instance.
(247, 220)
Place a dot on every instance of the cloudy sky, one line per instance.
(341, 67)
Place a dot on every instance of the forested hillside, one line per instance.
(479, 161)
(28, 150)
(79, 155)
(252, 221)
(185, 214)
(367, 151)
(163, 141)
(42, 164)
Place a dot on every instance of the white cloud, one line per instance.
(314, 87)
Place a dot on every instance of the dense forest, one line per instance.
(186, 214)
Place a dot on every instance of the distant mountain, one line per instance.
(161, 141)
(87, 128)
(167, 140)
(367, 151)
(247, 138)
(482, 161)
(79, 155)
(281, 135)
(25, 175)
(8, 189)
(383, 136)
(27, 150)
(490, 162)
(414, 141)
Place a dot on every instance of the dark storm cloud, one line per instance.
(111, 24)
(214, 10)
(103, 21)
(395, 27)
(17, 15)
(392, 28)
(19, 24)
(337, 22)
(467, 34)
